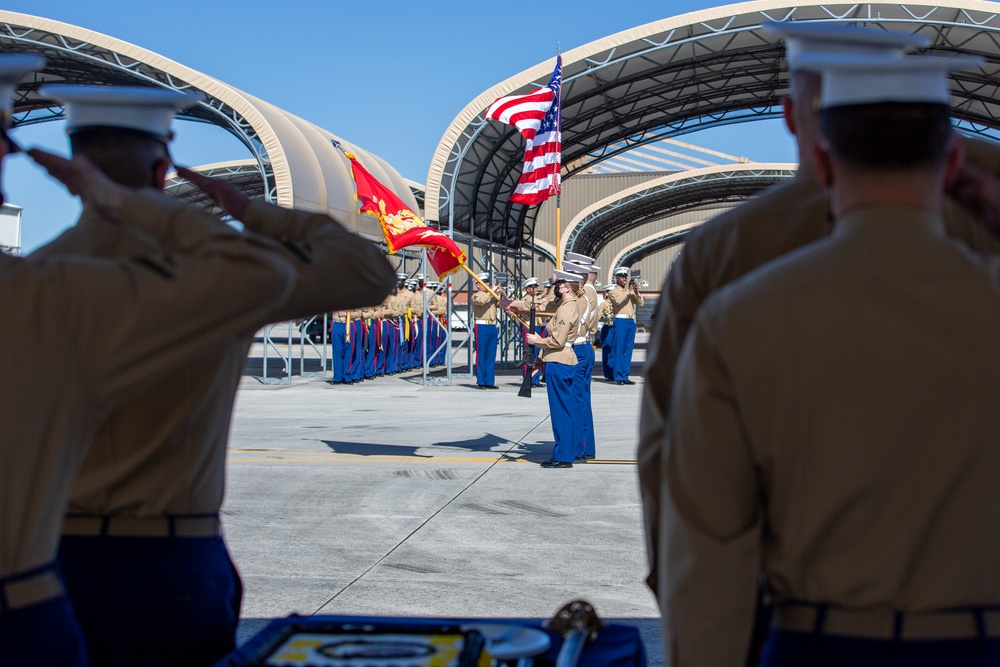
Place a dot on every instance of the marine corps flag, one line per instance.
(401, 226)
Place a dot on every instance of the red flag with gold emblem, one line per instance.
(401, 226)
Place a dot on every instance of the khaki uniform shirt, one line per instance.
(559, 332)
(484, 306)
(835, 426)
(394, 306)
(81, 333)
(607, 312)
(624, 302)
(162, 451)
(782, 219)
(439, 305)
(593, 313)
(541, 303)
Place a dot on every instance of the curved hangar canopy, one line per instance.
(672, 77)
(593, 228)
(298, 164)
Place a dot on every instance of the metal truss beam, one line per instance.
(674, 77)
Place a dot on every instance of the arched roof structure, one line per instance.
(672, 77)
(299, 165)
(593, 227)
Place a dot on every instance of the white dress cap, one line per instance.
(622, 271)
(575, 268)
(593, 268)
(530, 282)
(608, 287)
(13, 67)
(484, 276)
(566, 276)
(806, 38)
(144, 109)
(577, 258)
(850, 80)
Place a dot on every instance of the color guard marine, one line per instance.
(484, 312)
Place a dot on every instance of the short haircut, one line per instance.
(126, 157)
(888, 136)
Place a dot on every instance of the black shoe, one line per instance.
(588, 457)
(556, 464)
(628, 382)
(580, 459)
(619, 382)
(490, 386)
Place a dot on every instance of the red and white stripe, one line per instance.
(524, 112)
(540, 178)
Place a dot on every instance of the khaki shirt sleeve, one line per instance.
(712, 524)
(562, 325)
(335, 269)
(134, 318)
(482, 298)
(681, 296)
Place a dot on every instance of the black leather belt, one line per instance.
(198, 525)
(886, 624)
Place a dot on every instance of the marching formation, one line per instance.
(394, 336)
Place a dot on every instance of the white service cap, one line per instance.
(608, 287)
(622, 271)
(577, 258)
(143, 109)
(485, 275)
(560, 276)
(851, 80)
(593, 268)
(529, 282)
(808, 38)
(13, 68)
(575, 268)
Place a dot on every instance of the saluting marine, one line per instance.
(150, 488)
(192, 285)
(778, 221)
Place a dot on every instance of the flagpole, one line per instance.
(559, 171)
(558, 233)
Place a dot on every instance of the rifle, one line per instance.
(529, 357)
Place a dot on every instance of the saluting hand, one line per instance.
(223, 193)
(82, 178)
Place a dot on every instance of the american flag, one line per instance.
(537, 117)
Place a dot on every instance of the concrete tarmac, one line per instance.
(393, 498)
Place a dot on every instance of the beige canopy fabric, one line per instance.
(300, 164)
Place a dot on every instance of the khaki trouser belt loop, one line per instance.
(971, 623)
(31, 587)
(197, 525)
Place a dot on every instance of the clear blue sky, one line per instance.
(388, 75)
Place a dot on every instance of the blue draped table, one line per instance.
(615, 646)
